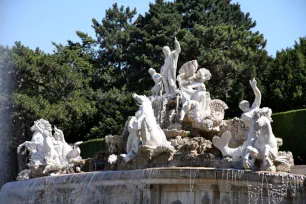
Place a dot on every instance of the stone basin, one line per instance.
(172, 185)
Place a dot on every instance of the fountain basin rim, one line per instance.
(167, 175)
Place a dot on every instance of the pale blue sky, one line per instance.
(38, 22)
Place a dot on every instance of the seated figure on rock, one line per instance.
(66, 153)
(207, 114)
(197, 105)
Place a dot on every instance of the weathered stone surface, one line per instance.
(238, 130)
(115, 144)
(287, 162)
(172, 133)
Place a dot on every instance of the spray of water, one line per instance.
(7, 154)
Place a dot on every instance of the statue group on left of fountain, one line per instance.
(49, 154)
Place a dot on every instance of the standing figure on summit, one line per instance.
(168, 70)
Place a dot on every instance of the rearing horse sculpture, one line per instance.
(143, 128)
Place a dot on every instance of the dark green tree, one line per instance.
(286, 83)
(114, 40)
(216, 33)
(54, 87)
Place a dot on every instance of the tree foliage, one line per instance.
(85, 87)
(287, 78)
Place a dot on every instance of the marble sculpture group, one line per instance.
(52, 154)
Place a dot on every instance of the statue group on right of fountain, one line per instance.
(260, 150)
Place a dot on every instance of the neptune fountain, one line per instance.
(177, 148)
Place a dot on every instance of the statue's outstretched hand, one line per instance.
(253, 82)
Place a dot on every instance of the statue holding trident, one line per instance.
(168, 70)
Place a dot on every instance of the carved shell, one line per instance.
(217, 108)
(189, 68)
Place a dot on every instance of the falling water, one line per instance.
(7, 166)
(95, 187)
(159, 106)
(290, 186)
(167, 117)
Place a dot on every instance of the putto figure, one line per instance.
(168, 70)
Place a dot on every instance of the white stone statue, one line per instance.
(190, 78)
(248, 118)
(168, 70)
(143, 129)
(263, 148)
(197, 105)
(66, 152)
(41, 147)
(47, 152)
(265, 145)
(207, 114)
(134, 137)
(261, 144)
(157, 89)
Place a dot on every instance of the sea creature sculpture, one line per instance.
(144, 129)
(261, 144)
(48, 154)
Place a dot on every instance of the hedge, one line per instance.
(91, 147)
(291, 127)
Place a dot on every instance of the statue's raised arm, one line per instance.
(177, 46)
(257, 101)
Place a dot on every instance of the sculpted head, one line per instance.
(58, 134)
(166, 51)
(38, 126)
(152, 71)
(203, 74)
(138, 98)
(41, 125)
(266, 112)
(244, 106)
(141, 100)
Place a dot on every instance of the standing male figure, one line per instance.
(168, 70)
